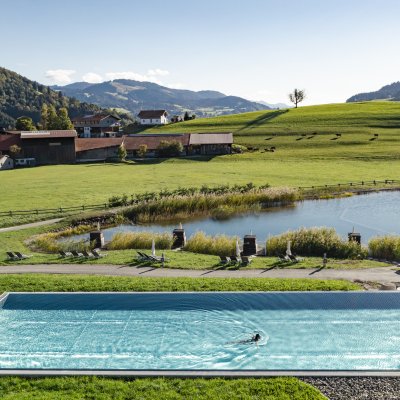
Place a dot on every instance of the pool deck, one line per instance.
(382, 274)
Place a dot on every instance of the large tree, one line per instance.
(297, 96)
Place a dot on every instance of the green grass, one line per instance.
(94, 283)
(304, 162)
(97, 388)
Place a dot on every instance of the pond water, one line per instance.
(372, 214)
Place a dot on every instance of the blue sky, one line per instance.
(257, 49)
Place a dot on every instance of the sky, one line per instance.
(257, 49)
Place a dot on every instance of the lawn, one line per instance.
(97, 388)
(297, 161)
(94, 283)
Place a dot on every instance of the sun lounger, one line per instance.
(225, 260)
(246, 261)
(76, 254)
(87, 254)
(21, 256)
(12, 256)
(283, 258)
(65, 254)
(293, 258)
(97, 254)
(235, 260)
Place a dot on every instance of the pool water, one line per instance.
(201, 331)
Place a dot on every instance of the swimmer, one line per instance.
(254, 339)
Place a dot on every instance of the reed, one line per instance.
(205, 203)
(140, 240)
(219, 245)
(48, 243)
(385, 247)
(315, 242)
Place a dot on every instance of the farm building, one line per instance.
(6, 162)
(97, 125)
(153, 117)
(97, 149)
(46, 147)
(210, 143)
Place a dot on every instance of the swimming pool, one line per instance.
(200, 331)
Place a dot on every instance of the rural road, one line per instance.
(383, 274)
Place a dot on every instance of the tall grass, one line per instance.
(385, 247)
(202, 203)
(315, 242)
(140, 240)
(219, 245)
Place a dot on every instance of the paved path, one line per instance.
(383, 274)
(32, 225)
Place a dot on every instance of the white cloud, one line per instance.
(177, 85)
(92, 77)
(157, 72)
(60, 75)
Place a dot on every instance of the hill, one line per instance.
(21, 96)
(135, 96)
(388, 92)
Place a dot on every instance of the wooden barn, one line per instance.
(48, 147)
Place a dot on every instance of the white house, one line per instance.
(153, 117)
(6, 162)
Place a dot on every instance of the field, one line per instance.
(298, 160)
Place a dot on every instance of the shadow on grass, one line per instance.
(317, 270)
(262, 119)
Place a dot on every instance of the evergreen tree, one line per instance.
(186, 116)
(44, 116)
(63, 121)
(52, 118)
(122, 152)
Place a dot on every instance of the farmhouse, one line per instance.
(153, 117)
(97, 125)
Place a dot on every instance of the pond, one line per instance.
(370, 214)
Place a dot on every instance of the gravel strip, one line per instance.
(357, 388)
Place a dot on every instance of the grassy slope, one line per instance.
(313, 161)
(148, 389)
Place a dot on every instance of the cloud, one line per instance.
(60, 75)
(177, 85)
(151, 75)
(157, 72)
(92, 77)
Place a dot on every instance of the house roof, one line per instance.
(82, 144)
(211, 138)
(146, 114)
(9, 140)
(70, 133)
(94, 117)
(153, 141)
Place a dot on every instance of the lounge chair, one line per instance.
(21, 256)
(246, 261)
(12, 256)
(96, 254)
(86, 254)
(294, 258)
(65, 254)
(225, 260)
(283, 258)
(76, 254)
(235, 260)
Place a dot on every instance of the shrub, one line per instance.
(142, 151)
(385, 247)
(315, 242)
(169, 148)
(140, 240)
(219, 245)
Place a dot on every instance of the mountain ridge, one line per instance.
(387, 92)
(134, 96)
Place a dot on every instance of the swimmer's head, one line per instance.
(257, 337)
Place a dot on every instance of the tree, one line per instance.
(25, 124)
(297, 96)
(63, 121)
(122, 152)
(52, 118)
(142, 151)
(14, 150)
(44, 116)
(186, 116)
(171, 148)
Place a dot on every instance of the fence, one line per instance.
(63, 210)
